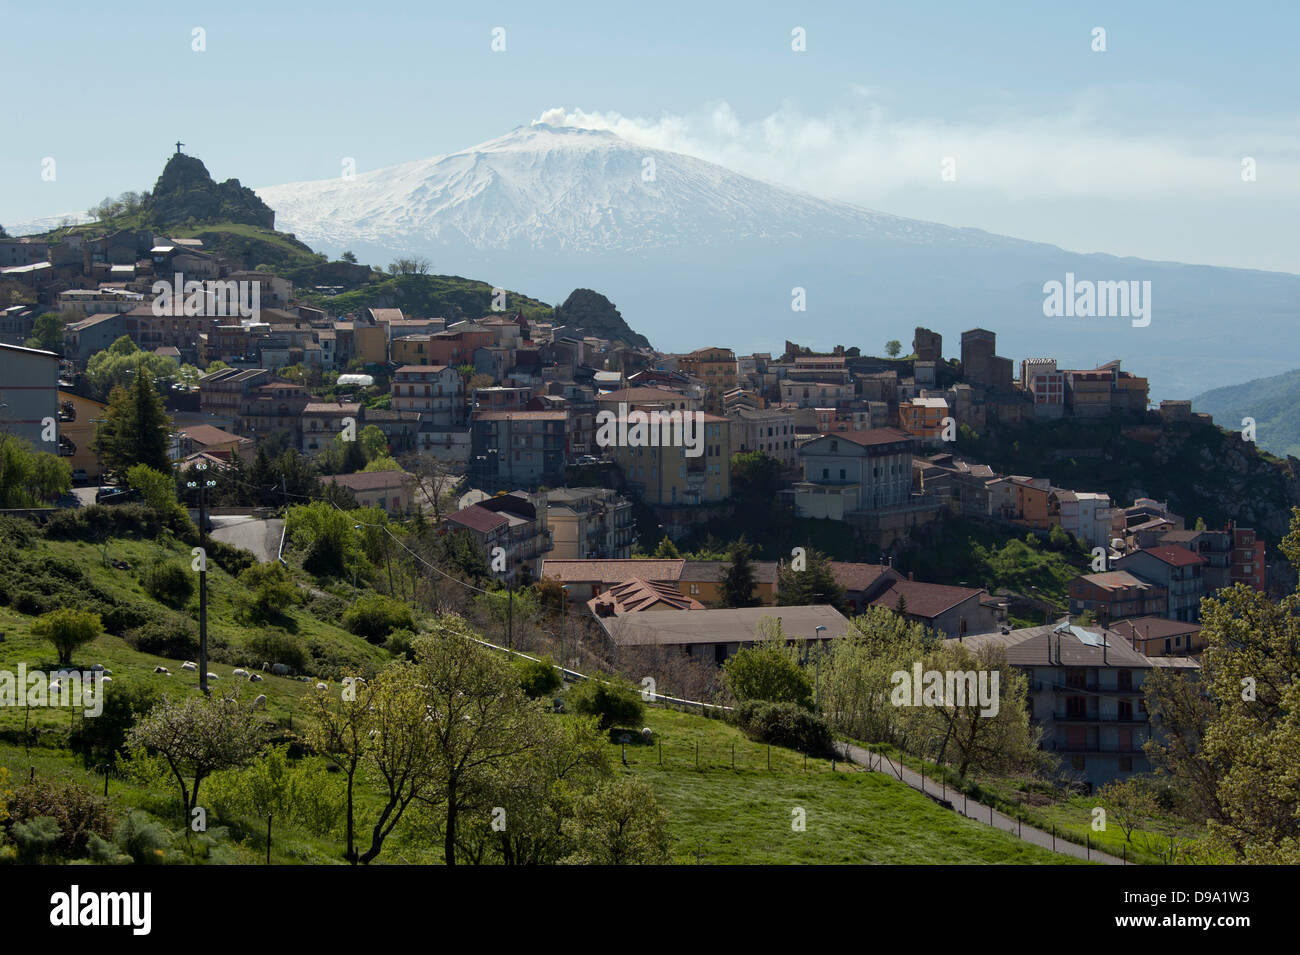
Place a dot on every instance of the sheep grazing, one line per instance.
(239, 672)
(213, 676)
(280, 669)
(106, 679)
(189, 665)
(322, 687)
(96, 666)
(647, 733)
(265, 667)
(254, 678)
(260, 702)
(162, 670)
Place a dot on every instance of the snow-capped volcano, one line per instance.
(565, 188)
(694, 254)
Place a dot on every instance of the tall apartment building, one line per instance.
(1085, 691)
(437, 392)
(589, 523)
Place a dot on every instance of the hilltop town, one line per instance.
(811, 488)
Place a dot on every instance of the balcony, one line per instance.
(1068, 717)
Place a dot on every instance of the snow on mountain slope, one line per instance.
(577, 190)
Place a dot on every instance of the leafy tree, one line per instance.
(157, 490)
(67, 629)
(893, 347)
(621, 823)
(855, 675)
(341, 457)
(47, 332)
(197, 735)
(373, 442)
(1232, 747)
(755, 477)
(769, 670)
(1128, 802)
(348, 257)
(29, 478)
(325, 537)
(381, 463)
(135, 428)
(737, 581)
(481, 718)
(413, 265)
(123, 362)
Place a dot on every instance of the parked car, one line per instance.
(79, 477)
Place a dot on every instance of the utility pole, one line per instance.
(202, 484)
(99, 467)
(510, 615)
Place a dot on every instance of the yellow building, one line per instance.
(371, 344)
(76, 428)
(667, 474)
(701, 579)
(716, 367)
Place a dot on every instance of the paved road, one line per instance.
(974, 810)
(261, 538)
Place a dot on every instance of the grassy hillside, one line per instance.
(744, 816)
(448, 296)
(716, 813)
(1270, 401)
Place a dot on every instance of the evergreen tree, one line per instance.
(136, 427)
(737, 580)
(667, 549)
(815, 584)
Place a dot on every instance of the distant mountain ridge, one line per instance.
(1271, 402)
(684, 246)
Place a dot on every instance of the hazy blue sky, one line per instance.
(1136, 150)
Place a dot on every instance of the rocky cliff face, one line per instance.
(185, 191)
(594, 314)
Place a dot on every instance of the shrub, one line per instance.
(375, 616)
(121, 617)
(76, 810)
(784, 724)
(173, 636)
(401, 643)
(613, 700)
(538, 677)
(142, 838)
(274, 645)
(100, 740)
(768, 671)
(67, 629)
(169, 582)
(268, 592)
(326, 607)
(37, 839)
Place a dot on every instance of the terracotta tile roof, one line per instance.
(872, 436)
(370, 480)
(1174, 556)
(478, 519)
(1116, 580)
(853, 576)
(1043, 647)
(208, 435)
(636, 595)
(731, 625)
(922, 599)
(613, 571)
(1154, 628)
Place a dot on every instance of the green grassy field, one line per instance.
(851, 816)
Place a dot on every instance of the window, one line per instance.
(1126, 764)
(695, 589)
